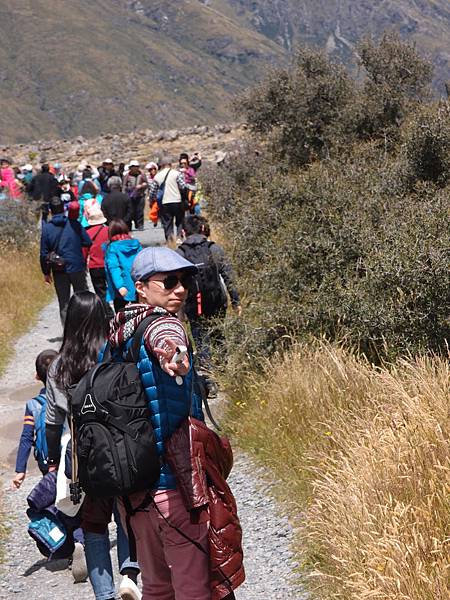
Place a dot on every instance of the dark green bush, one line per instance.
(333, 251)
(18, 223)
(302, 109)
(314, 110)
(397, 79)
(426, 145)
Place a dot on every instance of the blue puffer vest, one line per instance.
(169, 405)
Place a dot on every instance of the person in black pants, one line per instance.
(166, 188)
(42, 188)
(168, 213)
(61, 255)
(135, 186)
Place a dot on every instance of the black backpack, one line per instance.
(207, 297)
(114, 438)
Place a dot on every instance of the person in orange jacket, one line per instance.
(152, 169)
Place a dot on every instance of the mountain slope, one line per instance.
(338, 24)
(81, 67)
(71, 67)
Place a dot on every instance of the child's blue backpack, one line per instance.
(50, 534)
(38, 406)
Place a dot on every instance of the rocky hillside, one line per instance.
(144, 145)
(77, 67)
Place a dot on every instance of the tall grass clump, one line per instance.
(363, 459)
(22, 289)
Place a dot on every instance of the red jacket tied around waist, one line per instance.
(202, 461)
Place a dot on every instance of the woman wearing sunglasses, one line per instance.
(171, 567)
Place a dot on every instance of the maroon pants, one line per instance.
(172, 568)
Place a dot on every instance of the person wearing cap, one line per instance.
(89, 195)
(171, 207)
(105, 171)
(65, 237)
(116, 204)
(196, 161)
(151, 169)
(66, 194)
(135, 185)
(56, 170)
(27, 175)
(170, 566)
(97, 230)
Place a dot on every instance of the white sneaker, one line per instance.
(128, 590)
(79, 567)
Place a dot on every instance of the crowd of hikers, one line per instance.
(118, 428)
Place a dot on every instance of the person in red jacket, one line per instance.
(98, 232)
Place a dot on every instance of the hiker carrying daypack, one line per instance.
(34, 432)
(114, 438)
(207, 297)
(206, 303)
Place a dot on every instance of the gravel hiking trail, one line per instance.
(26, 575)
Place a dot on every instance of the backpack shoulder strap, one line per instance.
(133, 352)
(36, 404)
(94, 237)
(165, 178)
(58, 240)
(41, 399)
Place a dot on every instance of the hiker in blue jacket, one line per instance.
(64, 237)
(33, 432)
(119, 255)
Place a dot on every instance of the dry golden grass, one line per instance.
(364, 457)
(22, 294)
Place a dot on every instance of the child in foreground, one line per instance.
(33, 432)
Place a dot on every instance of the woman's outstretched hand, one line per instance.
(165, 358)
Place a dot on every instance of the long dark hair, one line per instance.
(85, 331)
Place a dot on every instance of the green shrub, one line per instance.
(397, 79)
(18, 223)
(314, 110)
(332, 251)
(426, 145)
(302, 109)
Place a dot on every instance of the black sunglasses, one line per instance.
(171, 281)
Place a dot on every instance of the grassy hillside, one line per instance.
(85, 68)
(363, 459)
(74, 67)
